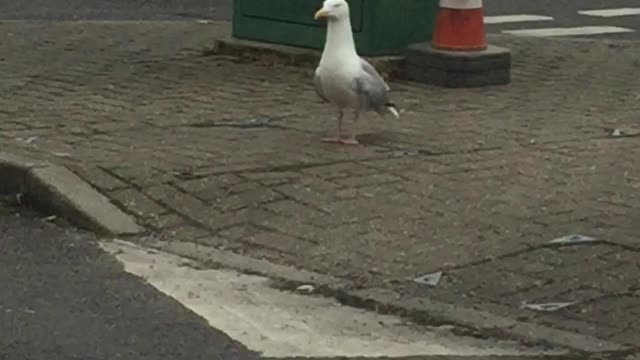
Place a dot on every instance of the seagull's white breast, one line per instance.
(337, 76)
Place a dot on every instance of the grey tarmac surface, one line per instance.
(63, 298)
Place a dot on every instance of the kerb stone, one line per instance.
(56, 189)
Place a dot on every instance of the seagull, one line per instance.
(342, 77)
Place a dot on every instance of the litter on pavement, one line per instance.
(572, 239)
(429, 279)
(547, 307)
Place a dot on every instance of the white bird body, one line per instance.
(339, 65)
(338, 86)
(342, 77)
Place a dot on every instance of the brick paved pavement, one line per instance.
(472, 182)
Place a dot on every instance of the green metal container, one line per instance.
(381, 27)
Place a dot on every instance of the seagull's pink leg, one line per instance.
(338, 138)
(351, 139)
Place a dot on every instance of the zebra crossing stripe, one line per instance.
(611, 12)
(502, 19)
(569, 31)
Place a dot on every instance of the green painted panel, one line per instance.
(297, 11)
(394, 24)
(386, 27)
(284, 33)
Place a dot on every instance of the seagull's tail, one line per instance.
(392, 109)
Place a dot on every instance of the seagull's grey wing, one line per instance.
(372, 90)
(369, 69)
(317, 84)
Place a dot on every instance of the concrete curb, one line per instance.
(55, 189)
(469, 321)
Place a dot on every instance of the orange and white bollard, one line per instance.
(458, 55)
(460, 26)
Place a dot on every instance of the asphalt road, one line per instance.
(566, 13)
(63, 298)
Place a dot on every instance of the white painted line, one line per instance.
(611, 12)
(502, 19)
(569, 31)
(285, 324)
(461, 4)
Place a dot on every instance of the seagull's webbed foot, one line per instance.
(351, 140)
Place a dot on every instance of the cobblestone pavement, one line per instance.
(471, 182)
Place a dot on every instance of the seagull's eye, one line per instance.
(337, 6)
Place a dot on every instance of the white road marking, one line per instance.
(461, 4)
(611, 12)
(568, 31)
(502, 19)
(283, 324)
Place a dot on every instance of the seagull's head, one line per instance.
(333, 10)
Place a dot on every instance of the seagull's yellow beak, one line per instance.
(322, 13)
